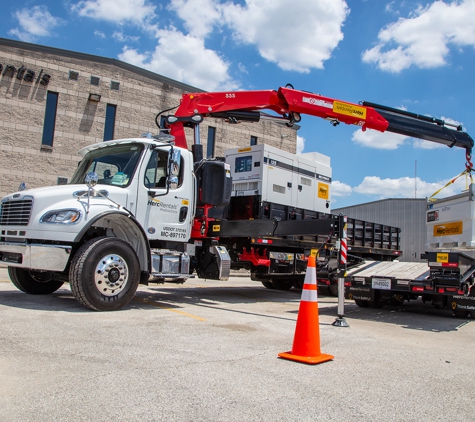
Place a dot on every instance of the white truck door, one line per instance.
(164, 201)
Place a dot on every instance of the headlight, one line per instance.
(61, 217)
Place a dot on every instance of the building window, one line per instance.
(253, 140)
(95, 80)
(211, 142)
(73, 75)
(50, 119)
(109, 126)
(115, 85)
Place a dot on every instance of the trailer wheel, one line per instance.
(33, 282)
(323, 290)
(460, 313)
(376, 304)
(362, 303)
(104, 274)
(333, 288)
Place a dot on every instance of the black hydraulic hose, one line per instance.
(161, 112)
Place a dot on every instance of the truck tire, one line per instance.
(33, 282)
(104, 274)
(267, 284)
(282, 284)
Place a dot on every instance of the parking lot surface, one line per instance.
(207, 351)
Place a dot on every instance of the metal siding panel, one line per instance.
(407, 214)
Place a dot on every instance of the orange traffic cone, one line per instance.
(306, 347)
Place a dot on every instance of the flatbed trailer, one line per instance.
(379, 283)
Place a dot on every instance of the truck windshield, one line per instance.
(114, 164)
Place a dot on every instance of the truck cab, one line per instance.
(125, 215)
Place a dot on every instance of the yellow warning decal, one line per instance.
(244, 149)
(314, 252)
(448, 229)
(349, 109)
(216, 227)
(443, 257)
(323, 190)
(184, 202)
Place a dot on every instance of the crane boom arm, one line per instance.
(288, 103)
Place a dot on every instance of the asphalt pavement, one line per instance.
(207, 351)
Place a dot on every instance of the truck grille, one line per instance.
(16, 213)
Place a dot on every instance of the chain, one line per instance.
(469, 165)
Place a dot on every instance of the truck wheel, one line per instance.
(267, 284)
(33, 282)
(362, 303)
(282, 284)
(104, 274)
(333, 288)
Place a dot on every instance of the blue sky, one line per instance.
(404, 54)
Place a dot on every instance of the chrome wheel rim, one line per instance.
(111, 275)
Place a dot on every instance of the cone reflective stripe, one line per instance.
(306, 345)
(309, 290)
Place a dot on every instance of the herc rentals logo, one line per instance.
(448, 229)
(349, 109)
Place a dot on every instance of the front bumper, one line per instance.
(35, 256)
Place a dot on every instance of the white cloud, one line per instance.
(184, 58)
(121, 37)
(199, 16)
(297, 36)
(421, 144)
(242, 68)
(34, 22)
(423, 40)
(340, 189)
(406, 187)
(300, 144)
(119, 11)
(378, 140)
(99, 34)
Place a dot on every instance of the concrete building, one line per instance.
(407, 214)
(54, 102)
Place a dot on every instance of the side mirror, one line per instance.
(174, 169)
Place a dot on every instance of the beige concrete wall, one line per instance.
(80, 122)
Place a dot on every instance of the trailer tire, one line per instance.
(362, 303)
(376, 304)
(333, 288)
(105, 274)
(33, 282)
(460, 313)
(324, 290)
